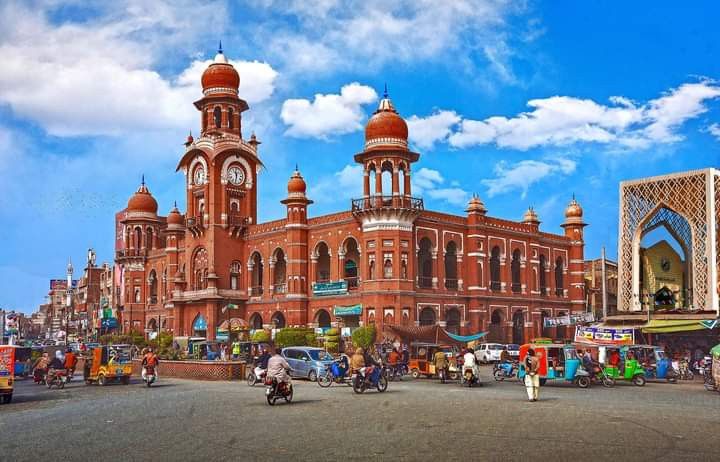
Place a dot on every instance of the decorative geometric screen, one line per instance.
(685, 203)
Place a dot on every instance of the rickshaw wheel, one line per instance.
(583, 382)
(672, 379)
(49, 383)
(639, 380)
(101, 380)
(608, 382)
(415, 373)
(88, 382)
(498, 375)
(125, 380)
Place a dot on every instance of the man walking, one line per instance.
(532, 379)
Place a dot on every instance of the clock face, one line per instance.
(236, 175)
(665, 264)
(199, 177)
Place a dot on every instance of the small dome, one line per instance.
(573, 209)
(175, 217)
(142, 201)
(386, 127)
(220, 75)
(476, 205)
(531, 217)
(296, 185)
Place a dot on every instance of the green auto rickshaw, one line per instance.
(629, 368)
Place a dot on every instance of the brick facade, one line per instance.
(402, 263)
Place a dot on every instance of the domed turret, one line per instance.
(531, 217)
(296, 185)
(175, 218)
(220, 76)
(475, 205)
(573, 213)
(386, 128)
(142, 201)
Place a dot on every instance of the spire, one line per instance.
(142, 182)
(296, 167)
(175, 204)
(220, 47)
(385, 93)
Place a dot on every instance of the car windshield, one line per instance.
(320, 355)
(121, 355)
(513, 346)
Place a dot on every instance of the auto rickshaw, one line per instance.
(23, 361)
(206, 350)
(421, 359)
(108, 363)
(630, 368)
(558, 362)
(656, 363)
(7, 376)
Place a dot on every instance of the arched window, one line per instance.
(256, 321)
(427, 317)
(542, 276)
(217, 116)
(515, 270)
(322, 273)
(279, 273)
(451, 279)
(452, 320)
(352, 257)
(152, 283)
(323, 319)
(164, 284)
(545, 331)
(235, 268)
(199, 326)
(256, 275)
(495, 284)
(425, 263)
(559, 289)
(496, 334)
(371, 270)
(138, 238)
(231, 122)
(278, 320)
(518, 327)
(149, 237)
(200, 267)
(403, 269)
(387, 269)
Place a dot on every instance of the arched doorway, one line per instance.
(199, 326)
(323, 319)
(425, 265)
(278, 320)
(452, 320)
(152, 324)
(518, 327)
(544, 331)
(427, 317)
(495, 334)
(451, 274)
(256, 322)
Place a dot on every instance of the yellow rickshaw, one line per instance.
(7, 374)
(108, 363)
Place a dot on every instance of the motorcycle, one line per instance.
(150, 376)
(469, 377)
(370, 377)
(255, 376)
(336, 373)
(39, 376)
(506, 370)
(274, 390)
(684, 371)
(56, 377)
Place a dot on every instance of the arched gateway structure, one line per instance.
(386, 259)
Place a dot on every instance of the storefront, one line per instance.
(348, 317)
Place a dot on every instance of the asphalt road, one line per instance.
(414, 420)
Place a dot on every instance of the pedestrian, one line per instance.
(235, 350)
(223, 352)
(532, 379)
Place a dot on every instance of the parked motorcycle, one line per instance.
(56, 377)
(370, 377)
(274, 390)
(150, 376)
(506, 370)
(255, 376)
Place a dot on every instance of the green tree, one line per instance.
(294, 336)
(261, 336)
(364, 337)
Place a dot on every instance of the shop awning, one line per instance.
(234, 325)
(431, 334)
(666, 326)
(466, 338)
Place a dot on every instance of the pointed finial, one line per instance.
(385, 93)
(143, 180)
(175, 204)
(220, 47)
(296, 167)
(573, 196)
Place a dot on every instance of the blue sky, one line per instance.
(523, 103)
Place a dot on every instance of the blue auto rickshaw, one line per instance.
(656, 363)
(558, 363)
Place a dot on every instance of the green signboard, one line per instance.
(353, 310)
(330, 288)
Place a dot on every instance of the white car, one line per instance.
(514, 350)
(488, 352)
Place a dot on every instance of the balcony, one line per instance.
(543, 291)
(495, 286)
(256, 291)
(387, 202)
(516, 287)
(235, 219)
(559, 292)
(279, 289)
(425, 282)
(352, 283)
(451, 284)
(131, 253)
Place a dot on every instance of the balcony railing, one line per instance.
(153, 300)
(516, 287)
(396, 202)
(280, 289)
(495, 286)
(124, 253)
(196, 221)
(425, 282)
(352, 283)
(543, 291)
(559, 292)
(451, 284)
(235, 219)
(256, 291)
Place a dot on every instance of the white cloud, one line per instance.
(714, 130)
(521, 175)
(97, 77)
(328, 115)
(426, 131)
(429, 182)
(565, 120)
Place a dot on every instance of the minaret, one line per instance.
(68, 301)
(574, 231)
(296, 231)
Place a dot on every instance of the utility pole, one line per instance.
(604, 285)
(2, 332)
(68, 300)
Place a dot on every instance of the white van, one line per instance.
(488, 352)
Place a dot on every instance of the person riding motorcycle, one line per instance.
(70, 362)
(278, 368)
(150, 360)
(261, 363)
(470, 362)
(40, 368)
(56, 364)
(357, 361)
(441, 362)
